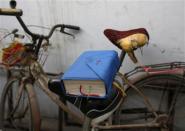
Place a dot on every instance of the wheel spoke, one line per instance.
(157, 89)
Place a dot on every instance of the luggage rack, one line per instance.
(155, 68)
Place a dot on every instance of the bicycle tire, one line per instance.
(12, 116)
(142, 83)
(160, 98)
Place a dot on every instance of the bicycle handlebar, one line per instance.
(11, 12)
(18, 13)
(72, 27)
(62, 26)
(37, 38)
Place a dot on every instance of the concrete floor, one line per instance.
(52, 125)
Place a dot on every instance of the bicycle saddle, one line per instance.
(129, 40)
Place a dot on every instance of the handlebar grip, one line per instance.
(72, 27)
(11, 12)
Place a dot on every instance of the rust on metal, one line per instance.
(34, 106)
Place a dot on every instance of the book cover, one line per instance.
(92, 74)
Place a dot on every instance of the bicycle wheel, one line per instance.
(161, 91)
(22, 114)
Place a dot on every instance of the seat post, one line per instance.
(121, 57)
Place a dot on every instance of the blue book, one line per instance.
(92, 74)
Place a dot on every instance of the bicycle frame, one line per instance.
(35, 74)
(40, 77)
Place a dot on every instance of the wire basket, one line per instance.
(43, 53)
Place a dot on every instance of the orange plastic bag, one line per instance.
(13, 54)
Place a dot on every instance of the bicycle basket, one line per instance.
(13, 54)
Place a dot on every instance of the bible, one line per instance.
(92, 74)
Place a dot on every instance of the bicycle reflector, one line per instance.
(12, 54)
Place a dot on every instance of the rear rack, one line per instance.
(158, 68)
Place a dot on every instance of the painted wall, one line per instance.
(164, 20)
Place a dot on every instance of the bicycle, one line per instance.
(18, 77)
(168, 77)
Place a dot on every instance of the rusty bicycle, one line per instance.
(148, 98)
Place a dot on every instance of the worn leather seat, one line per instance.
(115, 35)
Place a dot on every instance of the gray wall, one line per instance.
(164, 20)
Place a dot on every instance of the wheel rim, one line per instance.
(159, 98)
(16, 116)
